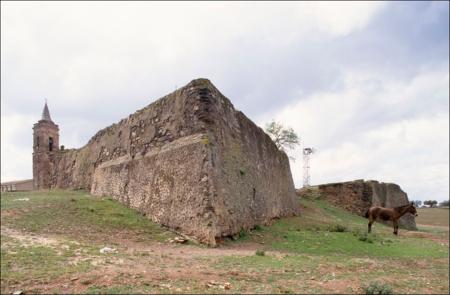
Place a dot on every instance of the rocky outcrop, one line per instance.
(189, 161)
(357, 196)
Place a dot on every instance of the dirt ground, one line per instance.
(161, 266)
(180, 262)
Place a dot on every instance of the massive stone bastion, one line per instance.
(188, 161)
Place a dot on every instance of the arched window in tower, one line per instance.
(37, 142)
(50, 144)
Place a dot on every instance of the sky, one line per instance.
(366, 84)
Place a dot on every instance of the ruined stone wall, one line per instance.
(150, 128)
(169, 186)
(357, 196)
(354, 196)
(252, 177)
(189, 161)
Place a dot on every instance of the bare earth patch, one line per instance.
(27, 239)
(152, 263)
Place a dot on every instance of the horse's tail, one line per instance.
(367, 214)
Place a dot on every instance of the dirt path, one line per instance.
(155, 263)
(442, 238)
(442, 227)
(429, 236)
(131, 247)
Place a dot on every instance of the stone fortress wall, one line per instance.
(189, 161)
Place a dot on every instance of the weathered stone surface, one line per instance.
(45, 149)
(189, 161)
(358, 195)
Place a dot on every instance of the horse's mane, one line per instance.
(401, 207)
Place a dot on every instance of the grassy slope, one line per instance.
(84, 223)
(409, 263)
(76, 214)
(324, 250)
(314, 233)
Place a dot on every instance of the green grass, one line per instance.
(119, 289)
(346, 243)
(77, 214)
(328, 236)
(333, 231)
(38, 262)
(82, 224)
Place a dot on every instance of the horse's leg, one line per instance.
(395, 223)
(370, 224)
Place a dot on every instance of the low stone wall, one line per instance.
(19, 185)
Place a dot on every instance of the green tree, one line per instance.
(430, 203)
(284, 138)
(417, 203)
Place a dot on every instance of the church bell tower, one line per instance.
(45, 146)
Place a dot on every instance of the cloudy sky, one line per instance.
(365, 84)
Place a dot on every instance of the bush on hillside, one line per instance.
(363, 236)
(337, 228)
(377, 288)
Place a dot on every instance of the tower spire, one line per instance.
(46, 113)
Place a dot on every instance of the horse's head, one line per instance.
(412, 209)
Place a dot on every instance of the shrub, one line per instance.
(260, 253)
(378, 288)
(257, 227)
(242, 233)
(337, 228)
(364, 236)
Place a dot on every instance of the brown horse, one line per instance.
(386, 214)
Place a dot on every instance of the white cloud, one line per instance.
(98, 62)
(16, 139)
(341, 18)
(408, 144)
